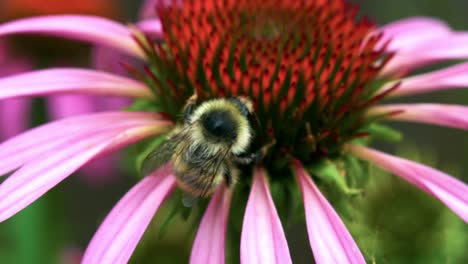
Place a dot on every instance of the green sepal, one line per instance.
(287, 199)
(145, 151)
(171, 217)
(357, 171)
(144, 105)
(328, 172)
(386, 133)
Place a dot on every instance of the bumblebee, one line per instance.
(209, 147)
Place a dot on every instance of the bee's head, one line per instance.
(224, 121)
(220, 124)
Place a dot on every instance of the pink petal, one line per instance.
(208, 247)
(447, 189)
(52, 81)
(152, 27)
(447, 78)
(44, 172)
(120, 232)
(93, 29)
(444, 115)
(61, 106)
(450, 47)
(14, 116)
(410, 32)
(71, 105)
(330, 240)
(103, 170)
(262, 238)
(36, 142)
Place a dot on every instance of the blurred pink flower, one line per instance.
(346, 60)
(14, 113)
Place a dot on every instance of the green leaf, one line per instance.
(144, 105)
(385, 133)
(327, 171)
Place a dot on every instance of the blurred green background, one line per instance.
(393, 222)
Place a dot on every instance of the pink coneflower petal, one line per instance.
(447, 78)
(152, 27)
(208, 247)
(103, 170)
(120, 232)
(439, 114)
(262, 238)
(447, 189)
(42, 173)
(328, 236)
(408, 33)
(35, 142)
(93, 29)
(62, 106)
(52, 81)
(450, 47)
(14, 116)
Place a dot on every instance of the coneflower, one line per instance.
(316, 76)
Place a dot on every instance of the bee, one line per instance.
(210, 145)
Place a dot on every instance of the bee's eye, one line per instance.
(220, 124)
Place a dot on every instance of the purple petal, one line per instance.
(14, 116)
(93, 29)
(447, 189)
(42, 173)
(109, 60)
(450, 47)
(14, 113)
(447, 78)
(148, 9)
(330, 240)
(410, 32)
(208, 247)
(120, 232)
(152, 27)
(53, 81)
(262, 238)
(103, 171)
(36, 142)
(455, 116)
(112, 103)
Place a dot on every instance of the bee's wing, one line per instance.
(213, 170)
(189, 200)
(162, 154)
(158, 157)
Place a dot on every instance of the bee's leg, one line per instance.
(246, 158)
(189, 107)
(230, 175)
(254, 157)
